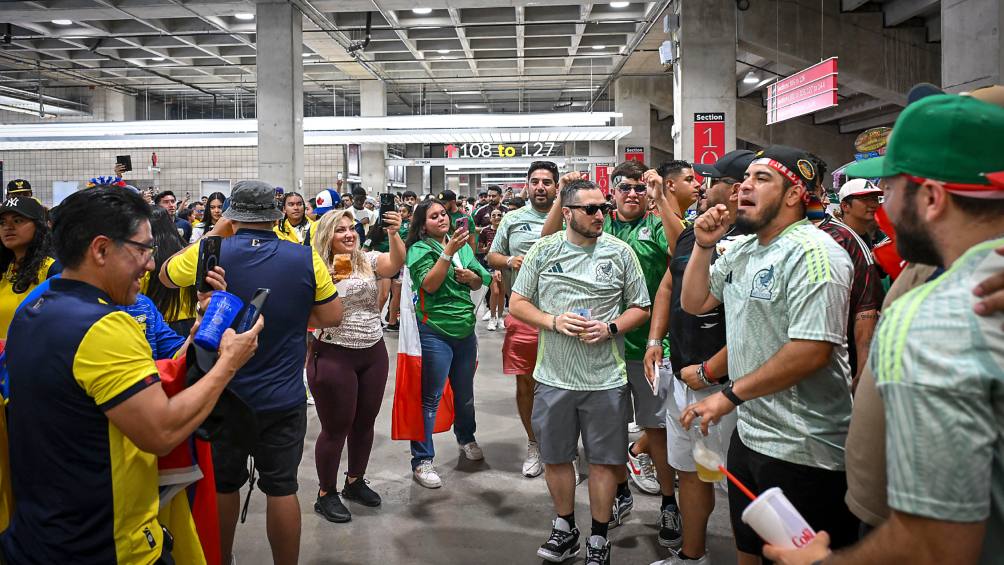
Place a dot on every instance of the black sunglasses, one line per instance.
(627, 187)
(591, 209)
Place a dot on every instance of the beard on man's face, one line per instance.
(913, 240)
(749, 224)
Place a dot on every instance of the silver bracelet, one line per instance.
(703, 376)
(444, 257)
(654, 343)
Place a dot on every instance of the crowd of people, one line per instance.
(763, 332)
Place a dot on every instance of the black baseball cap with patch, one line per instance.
(18, 185)
(733, 165)
(447, 195)
(793, 163)
(24, 206)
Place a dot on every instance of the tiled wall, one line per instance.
(181, 169)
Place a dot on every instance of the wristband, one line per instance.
(707, 370)
(654, 343)
(703, 375)
(508, 262)
(444, 257)
(698, 243)
(554, 324)
(731, 395)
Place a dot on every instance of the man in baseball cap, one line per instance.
(859, 200)
(938, 363)
(325, 201)
(19, 187)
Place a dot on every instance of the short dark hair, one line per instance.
(546, 165)
(482, 193)
(196, 203)
(979, 208)
(161, 195)
(496, 188)
(633, 170)
(408, 193)
(573, 188)
(673, 167)
(109, 211)
(471, 200)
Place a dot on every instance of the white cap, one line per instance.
(857, 187)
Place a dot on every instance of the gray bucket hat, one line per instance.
(252, 201)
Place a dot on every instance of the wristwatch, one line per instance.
(731, 395)
(446, 257)
(612, 329)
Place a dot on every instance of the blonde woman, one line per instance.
(348, 365)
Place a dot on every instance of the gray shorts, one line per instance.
(649, 407)
(560, 415)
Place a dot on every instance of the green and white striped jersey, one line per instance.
(559, 276)
(940, 371)
(795, 287)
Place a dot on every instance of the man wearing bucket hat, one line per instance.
(937, 362)
(272, 382)
(785, 291)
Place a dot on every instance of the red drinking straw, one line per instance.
(736, 482)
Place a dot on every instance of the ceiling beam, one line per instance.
(466, 46)
(851, 5)
(584, 11)
(848, 108)
(851, 126)
(899, 11)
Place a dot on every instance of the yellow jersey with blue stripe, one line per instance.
(83, 491)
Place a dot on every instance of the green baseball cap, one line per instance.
(945, 137)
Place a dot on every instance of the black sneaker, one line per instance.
(597, 551)
(361, 492)
(563, 544)
(622, 507)
(331, 507)
(670, 526)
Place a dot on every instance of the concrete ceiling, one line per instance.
(462, 56)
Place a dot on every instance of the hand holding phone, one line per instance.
(463, 224)
(253, 311)
(209, 257)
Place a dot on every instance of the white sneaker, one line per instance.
(493, 324)
(310, 397)
(472, 451)
(674, 559)
(642, 472)
(487, 316)
(532, 466)
(426, 475)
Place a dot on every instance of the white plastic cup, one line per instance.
(775, 519)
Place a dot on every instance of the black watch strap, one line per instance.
(731, 395)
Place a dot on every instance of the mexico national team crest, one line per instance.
(605, 271)
(644, 234)
(763, 284)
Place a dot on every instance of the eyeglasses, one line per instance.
(150, 249)
(628, 187)
(591, 209)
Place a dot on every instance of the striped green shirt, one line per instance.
(940, 371)
(795, 287)
(558, 276)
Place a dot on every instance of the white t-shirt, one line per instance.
(362, 215)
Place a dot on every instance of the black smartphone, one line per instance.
(253, 311)
(125, 160)
(387, 204)
(209, 257)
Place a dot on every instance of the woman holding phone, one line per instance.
(177, 305)
(443, 272)
(212, 215)
(347, 365)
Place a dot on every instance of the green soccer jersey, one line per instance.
(795, 287)
(516, 234)
(558, 276)
(449, 310)
(647, 239)
(940, 370)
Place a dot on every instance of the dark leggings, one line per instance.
(348, 386)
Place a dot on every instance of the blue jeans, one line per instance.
(445, 357)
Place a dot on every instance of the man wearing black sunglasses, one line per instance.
(583, 289)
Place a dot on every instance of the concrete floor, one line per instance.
(486, 512)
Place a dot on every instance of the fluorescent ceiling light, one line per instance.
(751, 78)
(158, 59)
(619, 4)
(463, 92)
(63, 22)
(308, 54)
(244, 16)
(422, 11)
(598, 47)
(443, 51)
(470, 106)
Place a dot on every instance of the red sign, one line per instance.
(709, 137)
(804, 92)
(634, 154)
(603, 178)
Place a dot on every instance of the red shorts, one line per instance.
(519, 350)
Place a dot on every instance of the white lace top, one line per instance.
(361, 327)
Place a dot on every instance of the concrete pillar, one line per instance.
(704, 76)
(280, 94)
(112, 106)
(437, 175)
(636, 98)
(972, 54)
(415, 177)
(373, 156)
